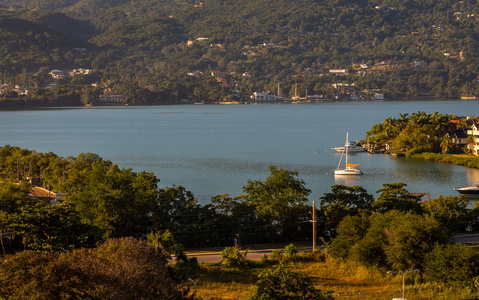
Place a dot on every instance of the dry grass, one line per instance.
(217, 282)
(347, 280)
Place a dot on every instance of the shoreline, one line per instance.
(245, 102)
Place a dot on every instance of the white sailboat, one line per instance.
(350, 169)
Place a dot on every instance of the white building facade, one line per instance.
(475, 133)
(264, 96)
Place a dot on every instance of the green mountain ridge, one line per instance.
(410, 48)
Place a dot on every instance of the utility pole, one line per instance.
(314, 226)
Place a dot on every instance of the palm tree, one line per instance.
(446, 143)
(470, 143)
(389, 129)
(402, 121)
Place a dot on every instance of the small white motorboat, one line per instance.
(469, 190)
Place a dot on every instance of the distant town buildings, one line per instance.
(110, 99)
(264, 96)
(57, 74)
(339, 71)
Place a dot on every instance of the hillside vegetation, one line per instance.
(165, 51)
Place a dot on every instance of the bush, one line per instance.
(119, 269)
(290, 250)
(233, 258)
(264, 259)
(281, 283)
(310, 256)
(277, 254)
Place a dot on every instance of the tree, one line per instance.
(446, 143)
(278, 194)
(452, 211)
(470, 143)
(89, 95)
(341, 202)
(395, 197)
(179, 212)
(393, 239)
(237, 218)
(14, 197)
(118, 200)
(279, 199)
(54, 228)
(350, 231)
(410, 238)
(42, 77)
(283, 284)
(165, 244)
(451, 263)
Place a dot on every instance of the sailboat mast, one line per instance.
(346, 146)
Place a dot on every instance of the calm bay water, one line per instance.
(215, 149)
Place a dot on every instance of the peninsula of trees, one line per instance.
(440, 137)
(74, 52)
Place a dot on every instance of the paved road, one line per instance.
(465, 239)
(257, 254)
(215, 257)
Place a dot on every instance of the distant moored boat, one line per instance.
(351, 147)
(351, 169)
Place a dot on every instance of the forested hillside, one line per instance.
(169, 51)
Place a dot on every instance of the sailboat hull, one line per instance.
(348, 172)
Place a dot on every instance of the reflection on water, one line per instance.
(472, 176)
(347, 180)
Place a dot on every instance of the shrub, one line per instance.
(119, 269)
(277, 254)
(264, 259)
(310, 256)
(290, 250)
(233, 258)
(281, 283)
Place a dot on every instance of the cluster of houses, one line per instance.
(57, 74)
(20, 90)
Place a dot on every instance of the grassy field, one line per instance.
(347, 280)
